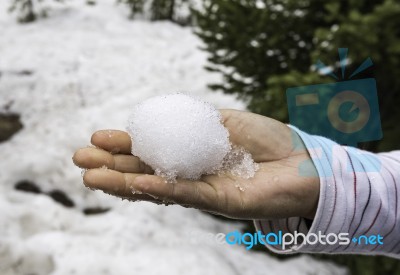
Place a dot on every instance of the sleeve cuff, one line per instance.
(353, 201)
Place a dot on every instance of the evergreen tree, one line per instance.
(159, 9)
(163, 10)
(264, 47)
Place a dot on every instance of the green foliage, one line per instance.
(264, 47)
(250, 43)
(27, 10)
(163, 10)
(159, 9)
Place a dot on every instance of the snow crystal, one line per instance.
(239, 163)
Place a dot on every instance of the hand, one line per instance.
(276, 191)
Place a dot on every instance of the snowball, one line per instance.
(178, 136)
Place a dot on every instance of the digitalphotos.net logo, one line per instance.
(346, 111)
(293, 240)
(279, 239)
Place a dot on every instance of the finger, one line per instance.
(131, 164)
(114, 183)
(113, 141)
(195, 194)
(90, 158)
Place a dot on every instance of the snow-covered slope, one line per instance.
(89, 66)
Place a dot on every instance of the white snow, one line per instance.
(89, 65)
(240, 163)
(178, 136)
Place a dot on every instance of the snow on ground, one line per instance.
(89, 66)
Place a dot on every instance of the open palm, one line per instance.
(276, 191)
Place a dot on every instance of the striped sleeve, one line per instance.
(358, 208)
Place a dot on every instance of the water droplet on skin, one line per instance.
(238, 186)
(110, 133)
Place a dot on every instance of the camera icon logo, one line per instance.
(358, 102)
(345, 111)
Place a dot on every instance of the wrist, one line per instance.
(312, 199)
